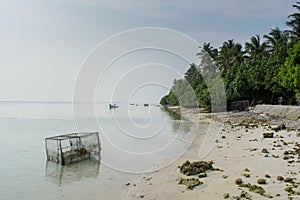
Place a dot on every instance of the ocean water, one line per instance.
(134, 139)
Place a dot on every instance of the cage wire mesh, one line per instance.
(74, 147)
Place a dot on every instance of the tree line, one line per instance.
(265, 70)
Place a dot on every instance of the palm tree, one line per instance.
(294, 23)
(213, 52)
(277, 42)
(255, 48)
(230, 54)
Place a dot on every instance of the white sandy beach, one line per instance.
(239, 147)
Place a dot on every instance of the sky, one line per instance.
(45, 44)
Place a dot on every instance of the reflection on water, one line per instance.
(179, 123)
(184, 126)
(174, 115)
(26, 175)
(75, 172)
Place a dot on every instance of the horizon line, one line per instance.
(59, 101)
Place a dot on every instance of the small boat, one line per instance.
(146, 104)
(113, 106)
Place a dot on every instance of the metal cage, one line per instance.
(74, 147)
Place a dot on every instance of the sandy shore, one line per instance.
(237, 153)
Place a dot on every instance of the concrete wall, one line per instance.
(288, 112)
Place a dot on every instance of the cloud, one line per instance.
(170, 9)
(57, 34)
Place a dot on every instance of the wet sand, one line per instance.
(241, 151)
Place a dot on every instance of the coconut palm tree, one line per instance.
(230, 53)
(213, 52)
(294, 23)
(256, 49)
(277, 42)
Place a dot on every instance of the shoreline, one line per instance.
(239, 146)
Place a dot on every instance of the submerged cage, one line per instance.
(75, 172)
(74, 147)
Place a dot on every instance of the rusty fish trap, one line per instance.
(73, 147)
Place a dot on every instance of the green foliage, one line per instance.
(216, 88)
(193, 76)
(237, 82)
(265, 70)
(181, 94)
(203, 96)
(207, 48)
(290, 71)
(294, 22)
(230, 54)
(256, 49)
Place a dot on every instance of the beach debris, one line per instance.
(261, 181)
(190, 183)
(297, 149)
(245, 195)
(268, 135)
(286, 157)
(264, 150)
(278, 127)
(266, 155)
(217, 169)
(267, 176)
(288, 180)
(238, 181)
(224, 176)
(147, 178)
(202, 175)
(259, 190)
(255, 188)
(246, 170)
(280, 178)
(275, 156)
(226, 195)
(287, 152)
(247, 175)
(289, 189)
(195, 168)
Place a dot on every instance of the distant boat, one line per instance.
(146, 104)
(113, 106)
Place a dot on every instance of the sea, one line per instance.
(136, 139)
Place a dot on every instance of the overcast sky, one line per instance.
(44, 42)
